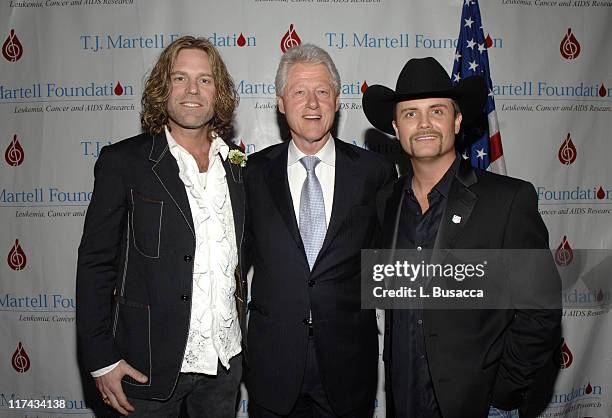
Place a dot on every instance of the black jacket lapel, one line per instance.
(461, 201)
(345, 188)
(392, 204)
(276, 178)
(166, 170)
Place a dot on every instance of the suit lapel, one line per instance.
(346, 186)
(393, 210)
(461, 201)
(166, 170)
(233, 175)
(278, 184)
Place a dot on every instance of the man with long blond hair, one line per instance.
(160, 296)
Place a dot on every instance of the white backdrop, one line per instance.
(71, 77)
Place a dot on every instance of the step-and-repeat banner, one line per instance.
(71, 77)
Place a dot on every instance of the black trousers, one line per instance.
(204, 395)
(312, 401)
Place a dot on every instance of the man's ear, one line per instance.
(281, 104)
(395, 128)
(458, 119)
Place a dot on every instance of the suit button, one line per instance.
(306, 321)
(311, 283)
(419, 248)
(188, 258)
(185, 297)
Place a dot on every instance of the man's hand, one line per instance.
(109, 386)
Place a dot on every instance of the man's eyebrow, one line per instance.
(433, 106)
(406, 109)
(439, 105)
(185, 73)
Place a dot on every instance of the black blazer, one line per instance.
(134, 274)
(479, 358)
(284, 290)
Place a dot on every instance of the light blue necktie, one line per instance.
(312, 211)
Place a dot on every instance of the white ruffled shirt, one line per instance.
(214, 330)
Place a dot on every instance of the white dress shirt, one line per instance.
(325, 171)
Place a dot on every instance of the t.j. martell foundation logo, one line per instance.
(16, 258)
(564, 254)
(570, 47)
(290, 39)
(567, 358)
(567, 151)
(12, 49)
(20, 360)
(364, 87)
(14, 154)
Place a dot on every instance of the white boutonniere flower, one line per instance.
(237, 157)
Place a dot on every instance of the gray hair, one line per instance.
(305, 54)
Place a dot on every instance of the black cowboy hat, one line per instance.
(423, 78)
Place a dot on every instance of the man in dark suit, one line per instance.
(458, 363)
(312, 351)
(158, 299)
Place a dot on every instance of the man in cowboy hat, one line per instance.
(456, 363)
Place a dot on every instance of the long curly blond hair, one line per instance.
(158, 85)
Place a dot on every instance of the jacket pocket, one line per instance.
(133, 337)
(146, 221)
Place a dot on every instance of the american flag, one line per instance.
(471, 58)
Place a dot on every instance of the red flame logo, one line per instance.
(564, 254)
(567, 358)
(241, 145)
(290, 39)
(364, 87)
(570, 47)
(20, 360)
(602, 90)
(600, 295)
(14, 154)
(589, 389)
(488, 41)
(601, 193)
(12, 48)
(118, 89)
(567, 151)
(16, 257)
(241, 40)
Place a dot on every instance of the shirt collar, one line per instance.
(327, 154)
(218, 146)
(444, 185)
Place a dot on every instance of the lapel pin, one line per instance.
(456, 219)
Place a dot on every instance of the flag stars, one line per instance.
(490, 93)
(468, 22)
(481, 154)
(465, 155)
(471, 44)
(457, 56)
(456, 78)
(481, 48)
(468, 2)
(473, 65)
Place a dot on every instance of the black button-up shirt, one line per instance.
(411, 381)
